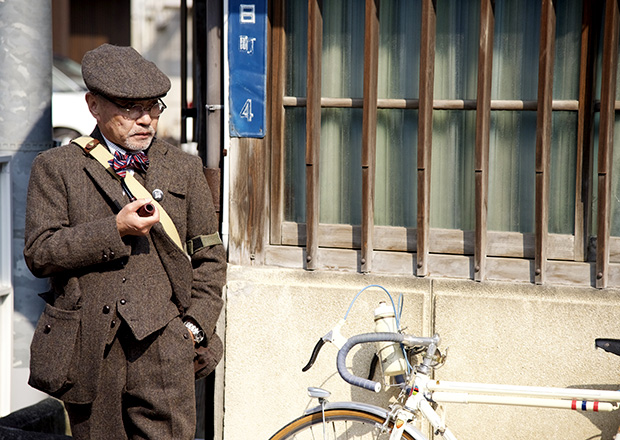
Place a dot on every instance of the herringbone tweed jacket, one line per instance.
(97, 277)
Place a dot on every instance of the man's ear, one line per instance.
(93, 105)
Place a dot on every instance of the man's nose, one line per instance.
(145, 118)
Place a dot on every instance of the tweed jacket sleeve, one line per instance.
(209, 264)
(58, 236)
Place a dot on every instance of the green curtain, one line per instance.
(454, 132)
(513, 133)
(397, 130)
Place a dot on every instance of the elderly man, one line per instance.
(130, 304)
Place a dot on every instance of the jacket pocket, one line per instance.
(52, 349)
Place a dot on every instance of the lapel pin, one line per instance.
(158, 195)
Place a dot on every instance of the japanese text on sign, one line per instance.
(247, 56)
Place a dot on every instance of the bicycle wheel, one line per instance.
(339, 424)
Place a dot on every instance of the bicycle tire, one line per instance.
(356, 424)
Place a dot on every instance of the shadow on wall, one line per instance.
(601, 420)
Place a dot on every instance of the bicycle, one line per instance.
(420, 396)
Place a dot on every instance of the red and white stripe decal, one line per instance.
(584, 405)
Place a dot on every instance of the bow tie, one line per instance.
(121, 162)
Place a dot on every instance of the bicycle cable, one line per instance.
(397, 314)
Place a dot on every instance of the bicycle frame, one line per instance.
(541, 397)
(423, 391)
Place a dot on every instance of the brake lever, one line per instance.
(609, 345)
(334, 336)
(315, 353)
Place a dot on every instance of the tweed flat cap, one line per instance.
(121, 72)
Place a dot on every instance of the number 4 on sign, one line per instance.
(246, 111)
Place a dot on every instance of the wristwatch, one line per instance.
(199, 335)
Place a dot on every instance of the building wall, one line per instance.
(496, 333)
(25, 130)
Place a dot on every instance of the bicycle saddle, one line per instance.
(610, 345)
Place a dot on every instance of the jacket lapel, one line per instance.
(106, 183)
(159, 174)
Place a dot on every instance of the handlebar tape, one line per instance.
(361, 339)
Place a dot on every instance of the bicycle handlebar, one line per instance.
(407, 340)
(367, 384)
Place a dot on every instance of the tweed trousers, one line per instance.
(147, 389)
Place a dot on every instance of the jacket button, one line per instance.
(106, 309)
(105, 257)
(47, 329)
(111, 254)
(123, 302)
(124, 279)
(113, 323)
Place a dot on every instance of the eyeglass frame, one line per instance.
(158, 104)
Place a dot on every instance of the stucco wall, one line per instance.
(502, 333)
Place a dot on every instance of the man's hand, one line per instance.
(128, 222)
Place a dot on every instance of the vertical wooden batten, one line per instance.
(369, 130)
(278, 48)
(543, 136)
(606, 140)
(313, 130)
(483, 125)
(585, 132)
(425, 131)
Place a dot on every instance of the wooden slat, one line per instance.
(452, 266)
(313, 130)
(483, 125)
(425, 130)
(543, 136)
(278, 69)
(585, 124)
(442, 241)
(369, 130)
(606, 138)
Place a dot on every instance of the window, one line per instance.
(464, 128)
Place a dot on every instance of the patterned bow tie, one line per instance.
(121, 162)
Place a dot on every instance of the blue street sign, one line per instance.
(247, 60)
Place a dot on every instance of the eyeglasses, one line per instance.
(136, 111)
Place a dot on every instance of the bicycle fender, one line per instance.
(371, 409)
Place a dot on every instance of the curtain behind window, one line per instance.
(564, 126)
(454, 132)
(340, 172)
(397, 130)
(513, 133)
(512, 144)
